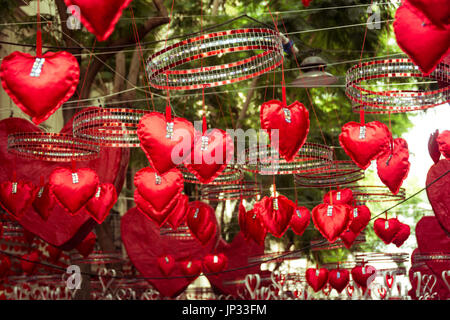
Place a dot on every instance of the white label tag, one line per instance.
(205, 142)
(14, 188)
(338, 196)
(75, 178)
(275, 204)
(362, 133)
(363, 271)
(41, 192)
(216, 259)
(157, 179)
(169, 130)
(287, 115)
(37, 67)
(338, 275)
(196, 213)
(386, 225)
(167, 259)
(355, 212)
(317, 272)
(299, 214)
(189, 265)
(330, 211)
(99, 190)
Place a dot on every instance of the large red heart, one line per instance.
(402, 235)
(364, 275)
(178, 214)
(360, 219)
(251, 224)
(437, 11)
(393, 165)
(201, 219)
(157, 194)
(17, 196)
(316, 278)
(386, 229)
(44, 202)
(433, 147)
(208, 160)
(292, 123)
(300, 220)
(342, 196)
(411, 24)
(102, 202)
(439, 192)
(99, 16)
(214, 263)
(276, 213)
(61, 229)
(338, 279)
(331, 220)
(444, 143)
(39, 97)
(159, 144)
(364, 145)
(145, 244)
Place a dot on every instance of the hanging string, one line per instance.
(39, 31)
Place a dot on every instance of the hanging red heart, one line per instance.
(191, 268)
(200, 220)
(437, 11)
(166, 264)
(39, 95)
(251, 224)
(360, 219)
(44, 202)
(393, 165)
(364, 275)
(276, 213)
(178, 214)
(73, 188)
(443, 141)
(348, 237)
(331, 220)
(411, 24)
(402, 235)
(53, 253)
(86, 246)
(339, 279)
(306, 2)
(341, 196)
(364, 143)
(165, 143)
(102, 202)
(438, 192)
(316, 278)
(386, 229)
(98, 16)
(210, 155)
(17, 197)
(29, 261)
(433, 147)
(214, 263)
(300, 220)
(292, 123)
(5, 266)
(157, 194)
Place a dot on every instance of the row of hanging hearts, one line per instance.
(212, 263)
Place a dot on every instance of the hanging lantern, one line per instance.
(314, 74)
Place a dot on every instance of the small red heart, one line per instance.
(331, 220)
(39, 97)
(393, 165)
(98, 16)
(386, 229)
(158, 146)
(339, 279)
(17, 197)
(178, 214)
(44, 202)
(363, 146)
(389, 280)
(317, 278)
(342, 196)
(215, 262)
(86, 246)
(402, 235)
(360, 219)
(53, 253)
(251, 224)
(439, 193)
(433, 147)
(364, 275)
(191, 268)
(102, 202)
(5, 266)
(348, 237)
(276, 213)
(382, 292)
(292, 123)
(443, 141)
(28, 264)
(350, 290)
(437, 11)
(300, 220)
(166, 264)
(200, 220)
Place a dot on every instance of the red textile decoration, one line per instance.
(53, 253)
(444, 143)
(158, 142)
(393, 165)
(306, 2)
(17, 196)
(99, 16)
(251, 224)
(342, 196)
(300, 220)
(433, 147)
(292, 122)
(28, 264)
(166, 264)
(402, 235)
(215, 262)
(331, 220)
(316, 278)
(191, 268)
(40, 96)
(363, 146)
(439, 192)
(102, 202)
(360, 219)
(386, 229)
(5, 266)
(44, 202)
(200, 219)
(178, 214)
(348, 237)
(338, 279)
(437, 11)
(86, 246)
(156, 194)
(364, 275)
(275, 213)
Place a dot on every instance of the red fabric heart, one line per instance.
(86, 246)
(348, 237)
(53, 253)
(44, 202)
(437, 11)
(393, 166)
(16, 203)
(443, 141)
(360, 219)
(339, 279)
(200, 219)
(145, 244)
(316, 278)
(99, 16)
(375, 141)
(364, 275)
(28, 262)
(215, 262)
(342, 196)
(276, 220)
(402, 235)
(292, 123)
(439, 193)
(157, 194)
(386, 229)
(331, 226)
(208, 164)
(102, 202)
(191, 268)
(57, 82)
(306, 2)
(152, 131)
(411, 24)
(73, 196)
(178, 214)
(251, 224)
(166, 264)
(433, 147)
(300, 220)
(5, 266)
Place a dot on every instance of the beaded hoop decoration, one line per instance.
(394, 101)
(364, 194)
(240, 190)
(230, 175)
(98, 257)
(162, 75)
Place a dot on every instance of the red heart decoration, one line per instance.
(208, 164)
(364, 275)
(331, 226)
(342, 196)
(16, 203)
(99, 16)
(360, 219)
(348, 237)
(433, 147)
(275, 219)
(144, 245)
(28, 262)
(86, 246)
(402, 235)
(300, 220)
(443, 141)
(191, 268)
(411, 24)
(306, 2)
(53, 253)
(393, 165)
(5, 266)
(386, 229)
(178, 214)
(73, 196)
(316, 278)
(439, 193)
(44, 202)
(375, 141)
(57, 82)
(166, 264)
(201, 219)
(157, 194)
(436, 10)
(215, 262)
(292, 123)
(102, 202)
(252, 226)
(339, 279)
